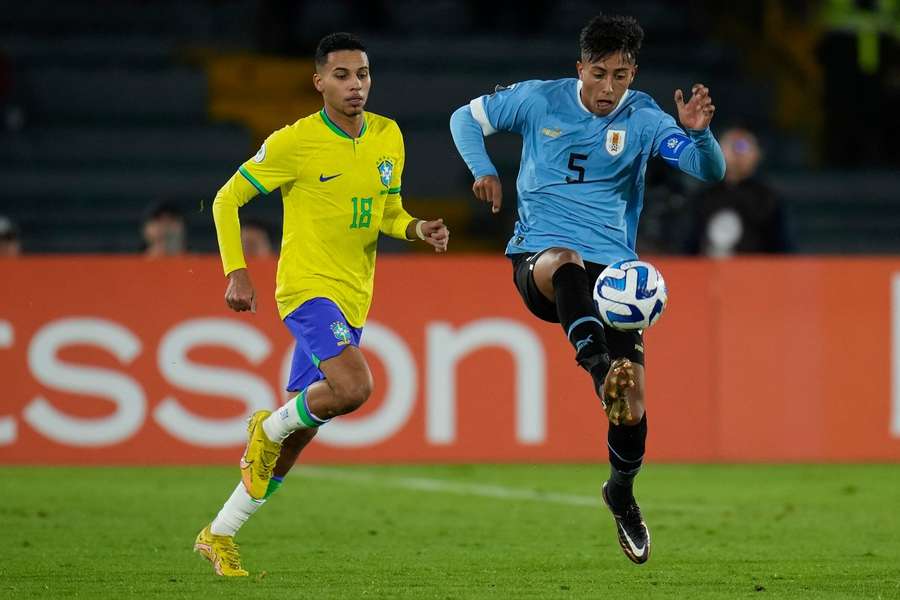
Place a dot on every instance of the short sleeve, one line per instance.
(507, 109)
(275, 163)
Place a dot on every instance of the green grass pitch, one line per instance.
(479, 531)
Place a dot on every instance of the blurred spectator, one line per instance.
(10, 245)
(164, 231)
(256, 239)
(742, 214)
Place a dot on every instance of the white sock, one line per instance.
(235, 512)
(289, 418)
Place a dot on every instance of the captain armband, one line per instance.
(673, 145)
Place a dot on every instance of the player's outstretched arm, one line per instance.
(468, 135)
(513, 108)
(702, 158)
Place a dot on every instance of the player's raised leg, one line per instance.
(335, 385)
(560, 276)
(276, 442)
(626, 441)
(332, 377)
(347, 385)
(216, 541)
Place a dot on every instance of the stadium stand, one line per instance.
(113, 106)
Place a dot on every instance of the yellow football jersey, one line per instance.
(338, 193)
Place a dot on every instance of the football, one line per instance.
(630, 294)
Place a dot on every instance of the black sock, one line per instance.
(579, 319)
(626, 453)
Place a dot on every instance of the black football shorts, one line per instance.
(622, 344)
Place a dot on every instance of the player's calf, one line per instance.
(291, 448)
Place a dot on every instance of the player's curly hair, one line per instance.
(333, 42)
(606, 34)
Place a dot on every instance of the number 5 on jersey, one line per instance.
(577, 168)
(362, 213)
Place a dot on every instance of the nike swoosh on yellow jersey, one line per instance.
(323, 178)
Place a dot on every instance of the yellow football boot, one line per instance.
(619, 380)
(259, 458)
(221, 551)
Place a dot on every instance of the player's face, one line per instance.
(604, 81)
(344, 81)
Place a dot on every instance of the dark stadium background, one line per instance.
(110, 107)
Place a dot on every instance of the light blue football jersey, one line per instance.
(581, 178)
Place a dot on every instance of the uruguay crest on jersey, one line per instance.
(385, 171)
(615, 141)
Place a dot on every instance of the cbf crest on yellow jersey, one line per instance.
(338, 193)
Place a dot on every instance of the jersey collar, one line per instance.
(340, 132)
(585, 108)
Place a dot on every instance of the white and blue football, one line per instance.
(630, 294)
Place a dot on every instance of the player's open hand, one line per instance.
(240, 295)
(436, 234)
(697, 113)
(487, 188)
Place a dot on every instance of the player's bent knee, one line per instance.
(353, 394)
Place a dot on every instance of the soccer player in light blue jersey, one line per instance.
(586, 143)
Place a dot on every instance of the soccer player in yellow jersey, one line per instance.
(339, 171)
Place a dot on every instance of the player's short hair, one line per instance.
(333, 42)
(607, 34)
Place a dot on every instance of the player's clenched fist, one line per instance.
(240, 295)
(488, 189)
(436, 234)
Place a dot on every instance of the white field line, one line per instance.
(443, 486)
(487, 490)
